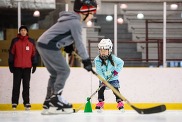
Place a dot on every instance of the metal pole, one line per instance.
(147, 39)
(115, 29)
(67, 58)
(66, 7)
(19, 14)
(164, 34)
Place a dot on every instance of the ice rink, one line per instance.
(105, 116)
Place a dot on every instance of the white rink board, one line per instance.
(138, 85)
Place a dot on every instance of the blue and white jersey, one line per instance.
(106, 71)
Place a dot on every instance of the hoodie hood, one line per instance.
(64, 16)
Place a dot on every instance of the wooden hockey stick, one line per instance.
(155, 109)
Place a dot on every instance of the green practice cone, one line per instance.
(88, 106)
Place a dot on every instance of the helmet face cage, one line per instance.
(89, 2)
(105, 44)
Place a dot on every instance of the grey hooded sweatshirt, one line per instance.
(66, 31)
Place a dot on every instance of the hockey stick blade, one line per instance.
(77, 109)
(156, 109)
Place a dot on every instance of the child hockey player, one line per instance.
(108, 66)
(64, 33)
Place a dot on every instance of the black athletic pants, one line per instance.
(19, 75)
(101, 94)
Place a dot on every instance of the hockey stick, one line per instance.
(76, 110)
(98, 89)
(156, 109)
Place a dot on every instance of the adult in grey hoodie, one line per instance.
(64, 33)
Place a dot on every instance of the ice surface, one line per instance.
(105, 116)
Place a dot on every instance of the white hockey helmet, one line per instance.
(106, 44)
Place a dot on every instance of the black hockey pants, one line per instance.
(101, 94)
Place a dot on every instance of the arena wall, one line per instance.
(141, 86)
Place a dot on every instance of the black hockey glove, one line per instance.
(33, 69)
(11, 67)
(87, 64)
(69, 49)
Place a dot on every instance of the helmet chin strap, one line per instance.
(86, 17)
(104, 57)
(87, 14)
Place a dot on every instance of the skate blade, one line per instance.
(53, 110)
(122, 110)
(45, 112)
(99, 110)
(27, 109)
(14, 109)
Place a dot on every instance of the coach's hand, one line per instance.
(11, 67)
(87, 64)
(33, 69)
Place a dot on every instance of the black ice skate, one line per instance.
(46, 104)
(14, 106)
(58, 105)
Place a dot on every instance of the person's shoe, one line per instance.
(14, 106)
(59, 105)
(27, 106)
(120, 105)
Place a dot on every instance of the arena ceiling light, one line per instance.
(123, 6)
(36, 13)
(89, 24)
(173, 6)
(140, 16)
(120, 20)
(109, 18)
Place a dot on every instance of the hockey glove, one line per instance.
(87, 64)
(115, 73)
(11, 67)
(69, 49)
(33, 69)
